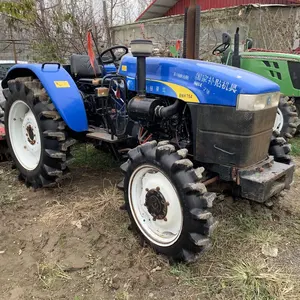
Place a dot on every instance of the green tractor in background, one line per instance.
(282, 68)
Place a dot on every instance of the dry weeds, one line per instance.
(48, 274)
(85, 207)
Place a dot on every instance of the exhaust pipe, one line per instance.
(192, 31)
(141, 49)
(190, 35)
(236, 58)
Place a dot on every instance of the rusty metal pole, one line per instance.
(190, 36)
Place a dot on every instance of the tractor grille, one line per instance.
(294, 68)
(225, 136)
(275, 72)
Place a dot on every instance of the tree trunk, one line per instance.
(106, 24)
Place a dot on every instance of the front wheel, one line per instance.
(167, 202)
(35, 133)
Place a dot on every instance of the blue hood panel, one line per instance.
(196, 81)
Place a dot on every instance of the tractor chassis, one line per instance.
(258, 183)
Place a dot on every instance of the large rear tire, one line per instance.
(167, 202)
(287, 119)
(35, 133)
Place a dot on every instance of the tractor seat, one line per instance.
(82, 70)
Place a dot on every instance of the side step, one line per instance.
(103, 135)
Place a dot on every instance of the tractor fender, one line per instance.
(61, 89)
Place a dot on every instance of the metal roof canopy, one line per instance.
(158, 8)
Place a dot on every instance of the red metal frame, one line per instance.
(180, 6)
(2, 132)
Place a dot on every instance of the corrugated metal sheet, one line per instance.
(157, 8)
(180, 6)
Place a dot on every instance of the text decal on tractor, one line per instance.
(210, 83)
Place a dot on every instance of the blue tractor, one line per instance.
(187, 124)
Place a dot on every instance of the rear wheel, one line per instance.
(166, 201)
(35, 134)
(287, 120)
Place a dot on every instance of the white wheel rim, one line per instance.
(162, 232)
(24, 135)
(278, 121)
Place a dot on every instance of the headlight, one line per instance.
(257, 102)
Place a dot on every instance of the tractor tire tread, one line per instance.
(290, 117)
(59, 135)
(57, 157)
(198, 221)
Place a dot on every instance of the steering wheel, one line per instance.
(220, 49)
(113, 55)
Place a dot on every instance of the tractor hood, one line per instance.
(196, 81)
(271, 55)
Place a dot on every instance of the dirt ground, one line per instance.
(73, 243)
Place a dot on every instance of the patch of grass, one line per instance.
(89, 207)
(62, 239)
(7, 198)
(256, 231)
(86, 155)
(235, 267)
(10, 192)
(48, 274)
(246, 223)
(264, 236)
(254, 279)
(185, 274)
(236, 230)
(248, 277)
(295, 146)
(123, 295)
